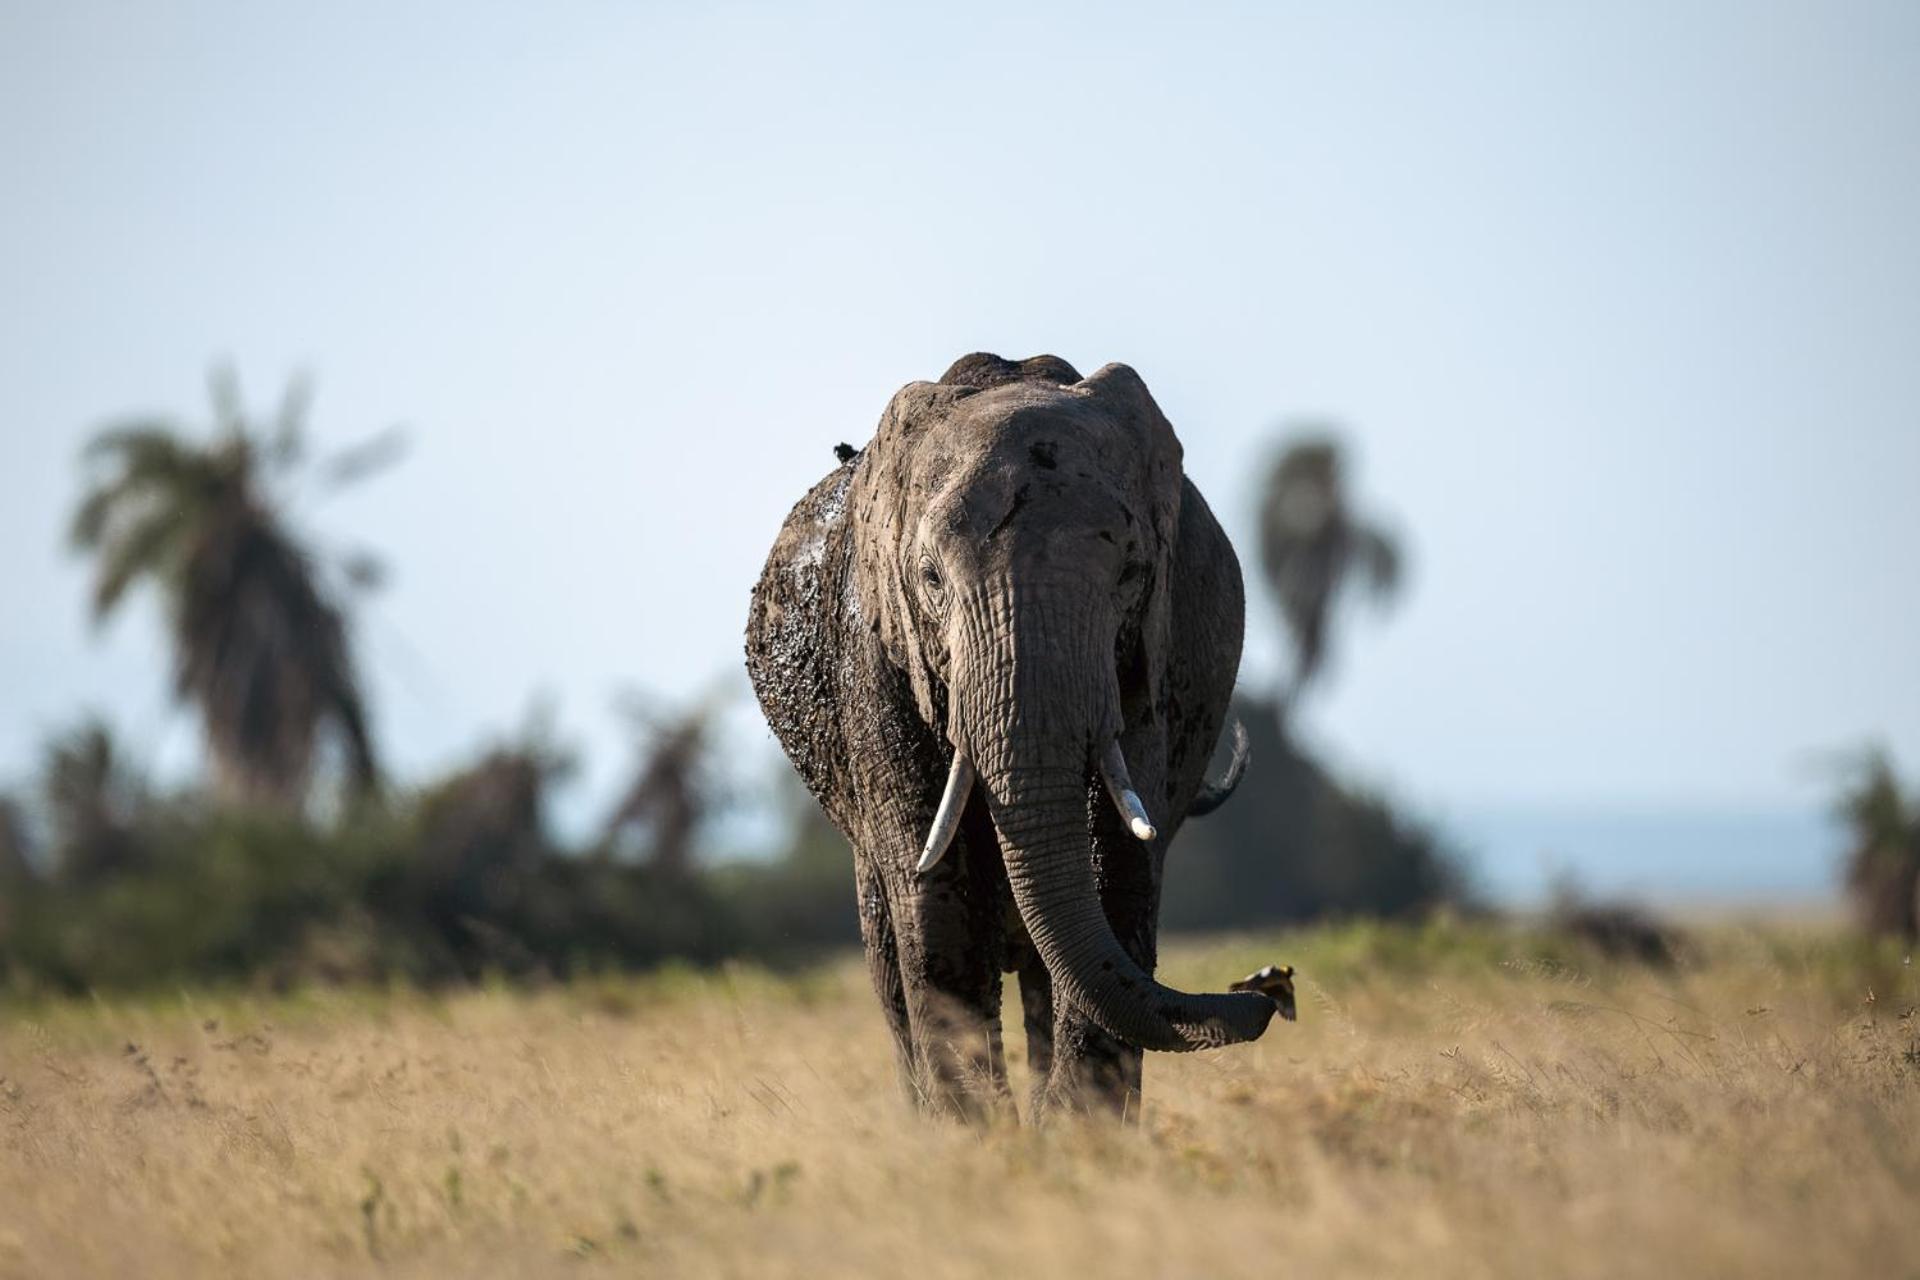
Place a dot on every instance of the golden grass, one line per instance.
(1455, 1102)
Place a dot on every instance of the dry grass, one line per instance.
(1453, 1103)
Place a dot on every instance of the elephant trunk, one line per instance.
(1035, 701)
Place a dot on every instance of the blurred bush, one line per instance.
(1883, 862)
(1294, 844)
(457, 881)
(103, 886)
(1617, 928)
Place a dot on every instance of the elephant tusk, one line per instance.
(1113, 771)
(953, 803)
(1214, 794)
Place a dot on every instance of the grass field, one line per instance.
(1456, 1101)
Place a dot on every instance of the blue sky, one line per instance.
(1619, 303)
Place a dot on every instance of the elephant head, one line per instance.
(1014, 544)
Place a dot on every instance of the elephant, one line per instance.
(998, 644)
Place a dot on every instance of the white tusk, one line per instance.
(1113, 771)
(953, 803)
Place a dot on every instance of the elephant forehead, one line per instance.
(1061, 437)
(965, 464)
(1005, 491)
(1021, 409)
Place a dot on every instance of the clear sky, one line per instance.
(1620, 303)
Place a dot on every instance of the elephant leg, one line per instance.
(883, 964)
(1092, 1071)
(949, 931)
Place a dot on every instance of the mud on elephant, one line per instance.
(998, 644)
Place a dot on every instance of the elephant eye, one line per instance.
(930, 577)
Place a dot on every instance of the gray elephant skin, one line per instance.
(1011, 580)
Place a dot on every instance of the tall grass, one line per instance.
(1456, 1100)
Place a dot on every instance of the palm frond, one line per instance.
(288, 446)
(148, 540)
(1378, 556)
(368, 458)
(118, 569)
(90, 519)
(229, 405)
(147, 449)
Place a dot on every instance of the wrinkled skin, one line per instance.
(1014, 568)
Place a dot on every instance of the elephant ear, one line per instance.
(1154, 462)
(881, 504)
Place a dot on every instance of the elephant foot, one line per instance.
(1275, 982)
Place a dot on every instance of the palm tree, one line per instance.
(259, 641)
(1313, 548)
(1883, 866)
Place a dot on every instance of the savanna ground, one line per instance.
(1457, 1100)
